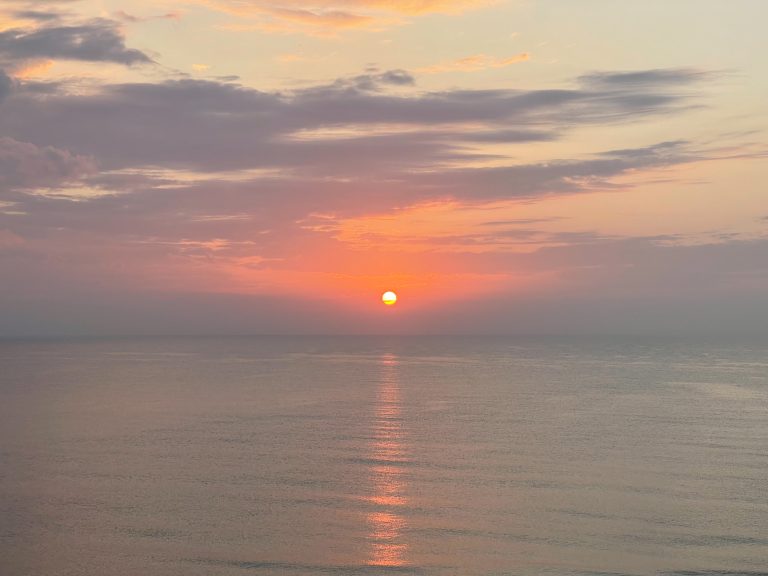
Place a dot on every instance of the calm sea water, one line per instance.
(409, 455)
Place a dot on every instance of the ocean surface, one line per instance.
(383, 455)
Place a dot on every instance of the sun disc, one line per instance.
(389, 298)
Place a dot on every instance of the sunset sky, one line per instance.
(273, 166)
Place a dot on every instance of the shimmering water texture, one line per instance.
(342, 456)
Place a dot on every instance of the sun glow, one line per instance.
(389, 298)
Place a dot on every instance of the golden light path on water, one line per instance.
(388, 454)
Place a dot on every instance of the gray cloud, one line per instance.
(210, 125)
(24, 165)
(156, 227)
(501, 136)
(126, 17)
(6, 85)
(144, 206)
(98, 40)
(556, 176)
(37, 15)
(645, 78)
(374, 80)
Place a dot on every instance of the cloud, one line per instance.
(409, 7)
(36, 15)
(474, 63)
(215, 187)
(289, 57)
(24, 165)
(555, 176)
(271, 217)
(124, 16)
(6, 85)
(645, 78)
(509, 135)
(316, 23)
(273, 158)
(208, 126)
(33, 69)
(374, 81)
(327, 17)
(98, 40)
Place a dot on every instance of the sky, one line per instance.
(273, 166)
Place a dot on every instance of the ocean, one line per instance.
(441, 456)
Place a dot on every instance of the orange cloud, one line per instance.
(288, 58)
(33, 69)
(417, 7)
(326, 17)
(474, 63)
(322, 24)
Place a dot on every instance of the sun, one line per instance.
(389, 298)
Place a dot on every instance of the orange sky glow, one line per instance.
(492, 157)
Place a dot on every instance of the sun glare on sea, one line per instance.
(389, 298)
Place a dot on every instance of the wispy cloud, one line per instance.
(289, 57)
(328, 17)
(474, 63)
(646, 78)
(124, 16)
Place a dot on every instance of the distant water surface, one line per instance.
(378, 455)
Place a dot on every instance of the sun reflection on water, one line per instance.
(388, 456)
